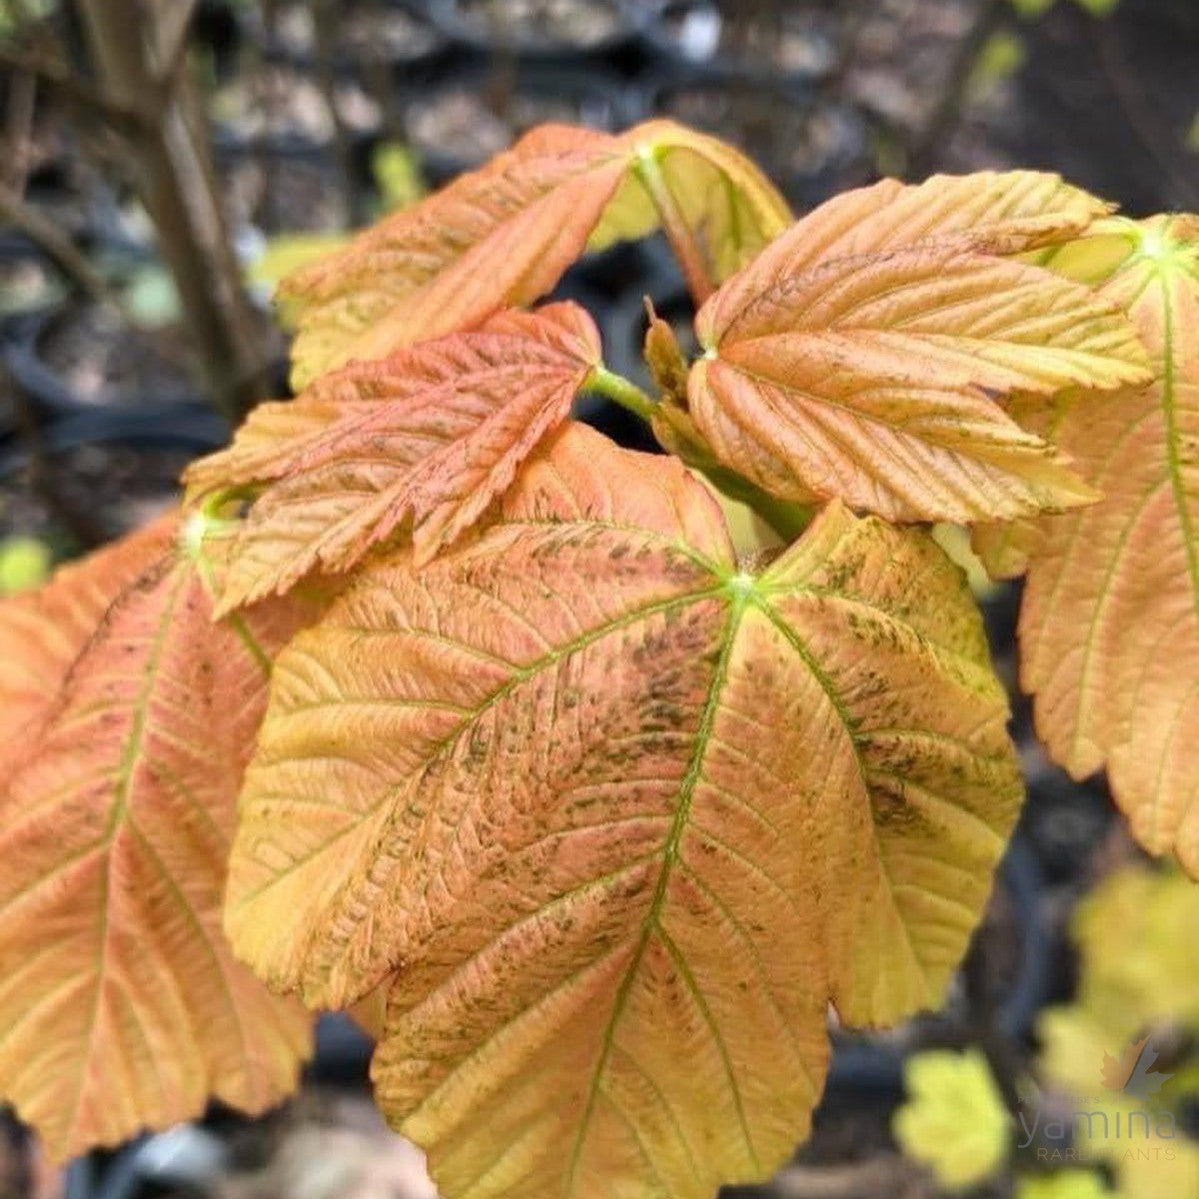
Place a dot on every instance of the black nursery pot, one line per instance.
(80, 358)
(29, 284)
(458, 124)
(540, 29)
(728, 39)
(811, 146)
(29, 287)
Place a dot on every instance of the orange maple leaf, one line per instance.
(1117, 1072)
(121, 1005)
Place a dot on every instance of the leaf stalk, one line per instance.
(621, 391)
(690, 255)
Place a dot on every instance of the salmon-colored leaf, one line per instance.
(42, 632)
(431, 434)
(620, 817)
(121, 1005)
(994, 212)
(1109, 630)
(503, 235)
(874, 379)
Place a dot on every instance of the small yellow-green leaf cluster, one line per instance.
(954, 1120)
(1064, 1184)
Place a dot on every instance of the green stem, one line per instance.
(787, 518)
(621, 391)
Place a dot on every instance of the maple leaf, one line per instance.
(121, 1005)
(1109, 626)
(1145, 1080)
(433, 434)
(619, 818)
(997, 212)
(865, 361)
(1005, 547)
(42, 631)
(1133, 1073)
(1117, 1071)
(502, 236)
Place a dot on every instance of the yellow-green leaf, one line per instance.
(1063, 1184)
(1168, 1167)
(1109, 629)
(620, 817)
(1134, 933)
(24, 563)
(954, 1120)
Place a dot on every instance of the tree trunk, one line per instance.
(137, 48)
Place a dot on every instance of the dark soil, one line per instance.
(90, 494)
(1109, 103)
(578, 24)
(366, 32)
(903, 55)
(284, 194)
(280, 102)
(26, 284)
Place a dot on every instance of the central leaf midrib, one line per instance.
(121, 787)
(651, 923)
(1172, 460)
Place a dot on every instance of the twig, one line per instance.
(54, 243)
(325, 17)
(173, 25)
(62, 78)
(947, 112)
(173, 172)
(22, 95)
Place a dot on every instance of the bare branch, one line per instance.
(54, 243)
(170, 36)
(62, 78)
